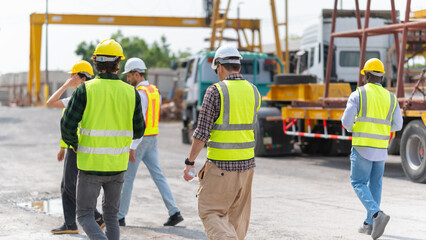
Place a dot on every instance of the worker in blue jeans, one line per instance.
(371, 114)
(146, 148)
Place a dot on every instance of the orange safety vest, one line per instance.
(153, 111)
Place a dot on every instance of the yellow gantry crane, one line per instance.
(218, 22)
(218, 25)
(37, 21)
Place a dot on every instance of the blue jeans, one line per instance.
(147, 152)
(366, 180)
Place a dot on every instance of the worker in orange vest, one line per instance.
(146, 148)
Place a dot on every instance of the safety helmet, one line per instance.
(84, 67)
(374, 66)
(108, 47)
(134, 64)
(224, 53)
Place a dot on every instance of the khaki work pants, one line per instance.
(224, 202)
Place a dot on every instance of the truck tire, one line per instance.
(333, 147)
(309, 145)
(413, 146)
(394, 144)
(259, 149)
(188, 127)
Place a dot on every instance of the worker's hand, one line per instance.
(186, 175)
(74, 150)
(73, 81)
(132, 154)
(61, 154)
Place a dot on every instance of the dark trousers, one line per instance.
(68, 187)
(88, 189)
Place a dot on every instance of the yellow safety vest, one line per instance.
(232, 136)
(107, 126)
(153, 111)
(373, 122)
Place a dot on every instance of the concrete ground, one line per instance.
(294, 197)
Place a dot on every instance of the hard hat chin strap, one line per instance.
(228, 61)
(106, 59)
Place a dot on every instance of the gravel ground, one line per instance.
(294, 197)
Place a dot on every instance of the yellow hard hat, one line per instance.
(82, 66)
(109, 47)
(373, 65)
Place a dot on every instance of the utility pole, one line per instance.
(238, 24)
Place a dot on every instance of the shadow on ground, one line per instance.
(173, 231)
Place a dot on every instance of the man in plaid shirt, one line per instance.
(226, 124)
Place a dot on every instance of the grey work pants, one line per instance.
(88, 189)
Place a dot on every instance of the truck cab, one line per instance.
(312, 57)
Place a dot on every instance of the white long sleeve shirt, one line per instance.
(348, 120)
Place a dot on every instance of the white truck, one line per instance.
(312, 57)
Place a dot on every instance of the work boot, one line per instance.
(122, 222)
(100, 221)
(379, 224)
(366, 228)
(174, 219)
(66, 229)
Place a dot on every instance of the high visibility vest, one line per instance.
(232, 136)
(373, 122)
(107, 126)
(153, 111)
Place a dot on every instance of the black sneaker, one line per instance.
(66, 229)
(173, 220)
(100, 221)
(122, 222)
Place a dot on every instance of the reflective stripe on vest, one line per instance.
(153, 111)
(106, 126)
(106, 133)
(372, 126)
(232, 136)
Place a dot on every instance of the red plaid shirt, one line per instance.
(209, 112)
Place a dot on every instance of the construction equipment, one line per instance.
(218, 21)
(37, 21)
(309, 114)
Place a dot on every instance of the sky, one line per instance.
(63, 39)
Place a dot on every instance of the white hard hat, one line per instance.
(225, 52)
(134, 64)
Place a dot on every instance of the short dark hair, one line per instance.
(142, 74)
(373, 78)
(108, 67)
(230, 67)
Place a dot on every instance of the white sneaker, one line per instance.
(379, 224)
(366, 229)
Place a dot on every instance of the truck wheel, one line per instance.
(259, 149)
(259, 134)
(329, 147)
(309, 145)
(413, 146)
(186, 135)
(394, 144)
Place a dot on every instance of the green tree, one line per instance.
(157, 54)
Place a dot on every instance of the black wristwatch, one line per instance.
(187, 162)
